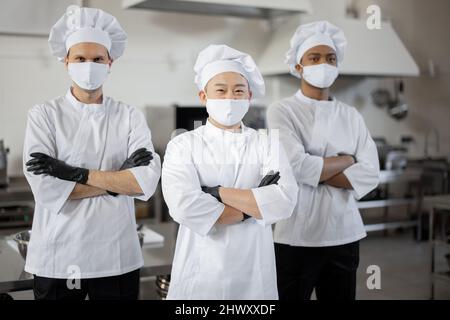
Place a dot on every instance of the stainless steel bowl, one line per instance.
(22, 239)
(162, 286)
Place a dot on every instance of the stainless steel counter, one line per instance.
(157, 259)
(409, 174)
(16, 204)
(18, 190)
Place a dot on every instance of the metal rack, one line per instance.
(441, 205)
(17, 214)
(389, 177)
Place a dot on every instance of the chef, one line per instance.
(86, 158)
(225, 184)
(335, 162)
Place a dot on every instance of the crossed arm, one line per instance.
(236, 202)
(230, 215)
(92, 183)
(122, 182)
(332, 172)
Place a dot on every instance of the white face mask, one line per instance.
(88, 75)
(227, 112)
(320, 75)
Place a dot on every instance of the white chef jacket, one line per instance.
(95, 236)
(224, 261)
(311, 130)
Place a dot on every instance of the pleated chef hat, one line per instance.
(86, 25)
(216, 59)
(311, 35)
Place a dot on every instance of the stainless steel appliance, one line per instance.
(391, 157)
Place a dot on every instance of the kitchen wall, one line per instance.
(156, 69)
(423, 26)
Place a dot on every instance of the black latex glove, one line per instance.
(270, 178)
(44, 164)
(140, 157)
(214, 191)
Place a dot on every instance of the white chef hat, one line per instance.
(216, 59)
(86, 25)
(311, 35)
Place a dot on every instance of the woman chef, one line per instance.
(217, 183)
(334, 160)
(86, 157)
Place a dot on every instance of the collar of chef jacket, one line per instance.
(94, 107)
(211, 131)
(313, 102)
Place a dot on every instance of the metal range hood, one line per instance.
(369, 52)
(265, 9)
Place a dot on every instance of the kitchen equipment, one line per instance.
(437, 146)
(397, 108)
(398, 112)
(16, 215)
(363, 56)
(4, 181)
(396, 159)
(391, 157)
(22, 239)
(381, 97)
(238, 8)
(162, 286)
(151, 237)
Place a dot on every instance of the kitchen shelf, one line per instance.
(390, 177)
(384, 203)
(20, 212)
(441, 205)
(390, 225)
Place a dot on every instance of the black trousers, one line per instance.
(122, 287)
(331, 271)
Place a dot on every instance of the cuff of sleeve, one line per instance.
(210, 224)
(264, 197)
(313, 166)
(351, 173)
(65, 190)
(145, 178)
